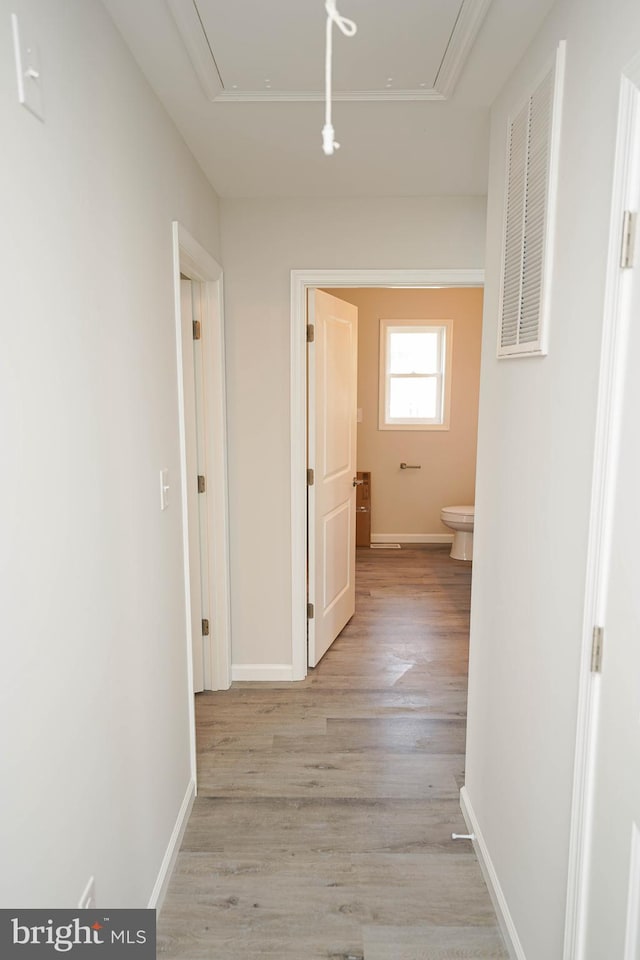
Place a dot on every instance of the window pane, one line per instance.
(413, 352)
(413, 397)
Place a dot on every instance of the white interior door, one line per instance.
(206, 613)
(333, 371)
(613, 911)
(187, 307)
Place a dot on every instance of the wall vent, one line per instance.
(532, 160)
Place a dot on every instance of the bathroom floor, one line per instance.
(322, 828)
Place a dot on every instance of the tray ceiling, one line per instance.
(434, 140)
(404, 50)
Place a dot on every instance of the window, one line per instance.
(415, 374)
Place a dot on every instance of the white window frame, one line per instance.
(441, 422)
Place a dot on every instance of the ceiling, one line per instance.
(243, 82)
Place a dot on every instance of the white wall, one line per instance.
(94, 706)
(535, 453)
(262, 242)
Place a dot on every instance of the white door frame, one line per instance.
(601, 515)
(301, 281)
(194, 262)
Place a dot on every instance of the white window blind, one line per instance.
(526, 268)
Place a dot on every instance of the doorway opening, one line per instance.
(301, 283)
(203, 465)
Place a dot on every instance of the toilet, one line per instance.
(460, 519)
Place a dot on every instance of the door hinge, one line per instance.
(628, 239)
(205, 628)
(202, 484)
(197, 330)
(596, 650)
(310, 478)
(311, 333)
(310, 611)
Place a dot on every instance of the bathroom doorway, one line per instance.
(407, 505)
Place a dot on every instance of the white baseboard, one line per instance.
(262, 671)
(501, 907)
(171, 854)
(411, 538)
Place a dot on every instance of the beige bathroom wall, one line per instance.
(407, 503)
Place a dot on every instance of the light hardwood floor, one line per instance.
(322, 830)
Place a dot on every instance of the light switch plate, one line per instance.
(28, 71)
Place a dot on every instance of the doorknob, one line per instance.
(357, 482)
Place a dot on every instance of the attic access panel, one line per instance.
(252, 50)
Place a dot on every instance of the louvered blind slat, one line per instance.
(514, 229)
(526, 220)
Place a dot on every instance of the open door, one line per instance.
(613, 911)
(203, 461)
(333, 371)
(613, 924)
(189, 307)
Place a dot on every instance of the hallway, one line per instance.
(323, 823)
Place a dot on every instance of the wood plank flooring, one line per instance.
(322, 829)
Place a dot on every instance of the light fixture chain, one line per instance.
(348, 28)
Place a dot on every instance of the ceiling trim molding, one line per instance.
(467, 28)
(191, 29)
(298, 96)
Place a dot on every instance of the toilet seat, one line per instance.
(464, 513)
